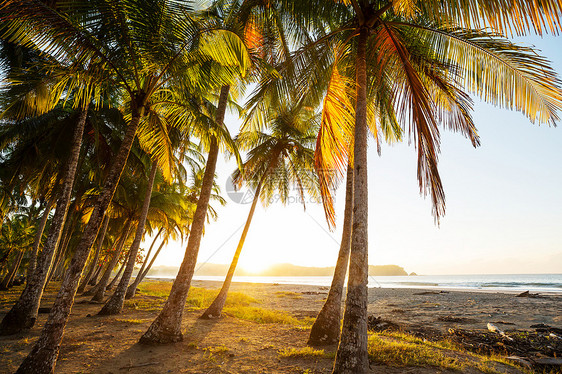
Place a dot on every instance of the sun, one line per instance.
(254, 265)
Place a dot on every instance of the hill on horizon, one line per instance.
(277, 270)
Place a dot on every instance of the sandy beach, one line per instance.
(95, 344)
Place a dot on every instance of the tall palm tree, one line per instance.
(281, 157)
(393, 44)
(143, 45)
(236, 17)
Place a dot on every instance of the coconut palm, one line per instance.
(143, 44)
(279, 158)
(243, 19)
(393, 44)
(115, 303)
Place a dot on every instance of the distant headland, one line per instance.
(278, 270)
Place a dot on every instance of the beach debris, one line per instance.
(546, 329)
(139, 365)
(534, 348)
(430, 293)
(378, 324)
(528, 294)
(454, 319)
(520, 360)
(550, 361)
(504, 323)
(494, 328)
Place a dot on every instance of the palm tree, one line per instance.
(384, 36)
(327, 326)
(281, 157)
(113, 37)
(174, 208)
(101, 236)
(167, 326)
(115, 303)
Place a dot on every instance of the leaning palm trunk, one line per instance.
(140, 276)
(215, 310)
(352, 355)
(166, 328)
(115, 303)
(24, 313)
(43, 356)
(11, 274)
(133, 287)
(96, 258)
(37, 241)
(97, 273)
(99, 290)
(117, 276)
(327, 326)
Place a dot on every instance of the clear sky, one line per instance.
(504, 206)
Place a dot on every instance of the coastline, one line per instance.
(234, 344)
(385, 283)
(414, 307)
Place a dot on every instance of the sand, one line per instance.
(231, 345)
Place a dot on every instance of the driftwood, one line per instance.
(139, 365)
(528, 294)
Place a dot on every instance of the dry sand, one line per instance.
(231, 345)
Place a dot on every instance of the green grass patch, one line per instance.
(261, 315)
(397, 352)
(307, 352)
(130, 320)
(198, 298)
(216, 349)
(238, 305)
(400, 349)
(294, 295)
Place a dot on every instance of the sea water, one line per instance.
(488, 282)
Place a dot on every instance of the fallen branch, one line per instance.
(139, 365)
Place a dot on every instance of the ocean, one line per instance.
(488, 282)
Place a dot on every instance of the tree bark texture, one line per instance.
(115, 303)
(43, 356)
(99, 291)
(352, 355)
(24, 312)
(96, 258)
(215, 309)
(327, 326)
(166, 328)
(38, 237)
(133, 287)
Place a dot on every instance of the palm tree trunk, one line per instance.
(215, 309)
(43, 356)
(96, 258)
(327, 326)
(133, 287)
(99, 290)
(61, 247)
(166, 328)
(24, 312)
(352, 355)
(37, 241)
(115, 303)
(9, 277)
(116, 277)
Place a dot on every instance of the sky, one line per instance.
(503, 216)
